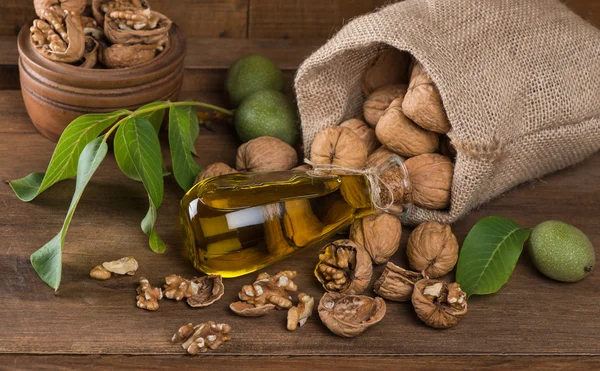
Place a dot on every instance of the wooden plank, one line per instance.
(206, 18)
(347, 363)
(531, 315)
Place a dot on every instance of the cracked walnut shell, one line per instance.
(210, 289)
(432, 249)
(350, 315)
(396, 283)
(379, 101)
(101, 7)
(423, 103)
(379, 234)
(430, 176)
(200, 338)
(265, 154)
(390, 67)
(364, 132)
(265, 294)
(339, 146)
(439, 304)
(402, 136)
(215, 169)
(344, 267)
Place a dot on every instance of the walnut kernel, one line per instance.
(202, 337)
(148, 296)
(298, 315)
(265, 294)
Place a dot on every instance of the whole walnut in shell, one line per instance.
(431, 180)
(265, 154)
(432, 249)
(390, 67)
(439, 304)
(339, 146)
(215, 169)
(423, 103)
(344, 267)
(399, 134)
(396, 283)
(350, 315)
(121, 56)
(364, 132)
(379, 234)
(378, 101)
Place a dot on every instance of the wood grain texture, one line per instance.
(531, 315)
(347, 363)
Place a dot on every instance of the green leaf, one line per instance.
(489, 255)
(138, 154)
(155, 117)
(63, 164)
(185, 168)
(47, 261)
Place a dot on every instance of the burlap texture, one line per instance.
(520, 82)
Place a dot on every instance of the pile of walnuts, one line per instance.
(121, 33)
(402, 114)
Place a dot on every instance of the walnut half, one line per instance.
(439, 304)
(344, 267)
(350, 315)
(396, 283)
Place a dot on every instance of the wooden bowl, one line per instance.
(57, 93)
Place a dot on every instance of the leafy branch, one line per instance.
(82, 147)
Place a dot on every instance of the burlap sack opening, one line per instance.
(520, 81)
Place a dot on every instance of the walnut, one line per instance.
(148, 296)
(344, 267)
(216, 169)
(101, 7)
(265, 294)
(297, 316)
(399, 134)
(64, 6)
(423, 103)
(265, 154)
(127, 265)
(432, 249)
(364, 132)
(395, 283)
(122, 56)
(379, 156)
(178, 288)
(431, 180)
(137, 26)
(350, 315)
(378, 101)
(200, 338)
(379, 234)
(339, 146)
(438, 304)
(210, 289)
(390, 67)
(58, 37)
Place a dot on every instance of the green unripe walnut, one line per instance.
(561, 251)
(250, 74)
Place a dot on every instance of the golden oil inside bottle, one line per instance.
(239, 223)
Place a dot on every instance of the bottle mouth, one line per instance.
(394, 179)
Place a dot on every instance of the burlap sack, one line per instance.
(520, 81)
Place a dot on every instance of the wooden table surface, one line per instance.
(532, 322)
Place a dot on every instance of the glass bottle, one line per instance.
(239, 223)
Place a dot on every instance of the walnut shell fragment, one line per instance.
(423, 103)
(432, 249)
(200, 338)
(430, 176)
(379, 101)
(439, 304)
(399, 134)
(390, 67)
(350, 315)
(90, 57)
(379, 234)
(216, 169)
(298, 315)
(122, 56)
(210, 289)
(344, 267)
(148, 296)
(364, 132)
(265, 154)
(265, 294)
(137, 27)
(339, 146)
(396, 283)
